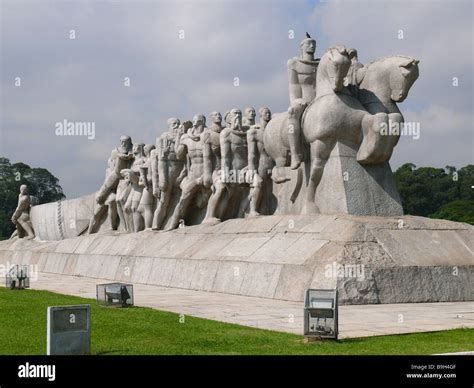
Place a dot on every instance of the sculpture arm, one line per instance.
(252, 149)
(143, 180)
(180, 147)
(294, 88)
(207, 155)
(226, 154)
(162, 165)
(125, 156)
(154, 173)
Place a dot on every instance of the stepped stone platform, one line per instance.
(369, 259)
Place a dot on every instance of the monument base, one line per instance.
(369, 259)
(346, 187)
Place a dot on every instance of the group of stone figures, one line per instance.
(213, 168)
(332, 99)
(223, 171)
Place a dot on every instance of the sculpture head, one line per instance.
(308, 46)
(250, 114)
(127, 175)
(199, 120)
(336, 64)
(353, 55)
(148, 148)
(403, 74)
(173, 124)
(23, 189)
(126, 143)
(235, 119)
(216, 117)
(265, 114)
(138, 149)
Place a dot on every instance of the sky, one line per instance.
(183, 58)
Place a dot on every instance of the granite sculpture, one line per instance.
(21, 216)
(339, 109)
(328, 153)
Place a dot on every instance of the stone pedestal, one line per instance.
(346, 187)
(368, 259)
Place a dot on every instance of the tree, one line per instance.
(41, 183)
(461, 210)
(425, 191)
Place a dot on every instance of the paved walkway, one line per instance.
(354, 321)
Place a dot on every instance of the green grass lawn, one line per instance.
(138, 330)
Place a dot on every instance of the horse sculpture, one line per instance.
(381, 84)
(334, 115)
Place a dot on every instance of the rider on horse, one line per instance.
(302, 88)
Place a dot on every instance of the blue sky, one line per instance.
(82, 79)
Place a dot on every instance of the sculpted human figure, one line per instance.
(111, 201)
(352, 81)
(302, 90)
(167, 172)
(123, 191)
(120, 158)
(259, 162)
(21, 216)
(249, 118)
(190, 145)
(133, 201)
(234, 152)
(212, 167)
(147, 201)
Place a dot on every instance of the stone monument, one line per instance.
(266, 209)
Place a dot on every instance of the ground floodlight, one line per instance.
(321, 314)
(17, 277)
(115, 295)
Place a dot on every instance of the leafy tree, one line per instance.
(461, 210)
(426, 190)
(41, 183)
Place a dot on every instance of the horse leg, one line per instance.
(277, 173)
(372, 148)
(320, 151)
(393, 139)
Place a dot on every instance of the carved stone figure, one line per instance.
(212, 167)
(283, 136)
(120, 158)
(352, 82)
(123, 191)
(249, 118)
(167, 172)
(260, 163)
(21, 216)
(302, 88)
(190, 145)
(147, 201)
(111, 201)
(234, 152)
(134, 198)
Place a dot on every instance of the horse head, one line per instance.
(333, 67)
(403, 74)
(388, 78)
